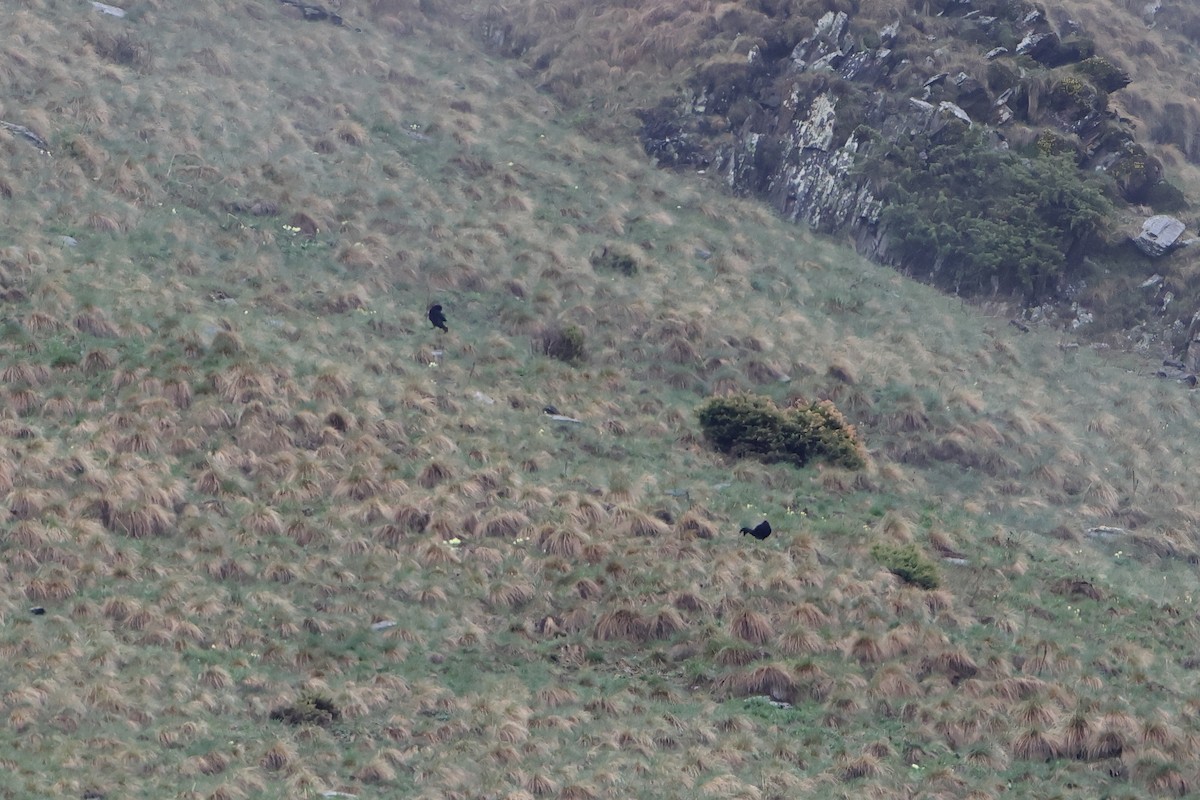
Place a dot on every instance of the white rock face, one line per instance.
(817, 130)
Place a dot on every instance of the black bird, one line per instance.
(437, 317)
(760, 531)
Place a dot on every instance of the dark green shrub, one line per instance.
(227, 343)
(121, 48)
(566, 343)
(750, 425)
(62, 354)
(1104, 73)
(310, 709)
(908, 563)
(974, 218)
(1052, 143)
(1166, 196)
(610, 259)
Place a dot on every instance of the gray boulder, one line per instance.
(1159, 235)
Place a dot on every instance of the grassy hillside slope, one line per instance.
(233, 452)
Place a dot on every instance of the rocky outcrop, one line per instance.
(800, 128)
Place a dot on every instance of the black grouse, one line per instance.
(760, 531)
(437, 317)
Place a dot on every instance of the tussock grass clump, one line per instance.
(865, 765)
(772, 680)
(800, 641)
(751, 425)
(561, 541)
(694, 525)
(509, 594)
(867, 648)
(1035, 744)
(622, 623)
(751, 626)
(908, 563)
(136, 518)
(955, 663)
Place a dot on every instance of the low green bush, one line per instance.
(615, 261)
(1104, 73)
(565, 342)
(907, 562)
(310, 709)
(751, 425)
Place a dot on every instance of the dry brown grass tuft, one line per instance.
(639, 523)
(861, 766)
(25, 372)
(769, 679)
(351, 133)
(1019, 688)
(94, 322)
(562, 541)
(360, 484)
(215, 676)
(1104, 744)
(1169, 780)
(1077, 731)
(693, 525)
(751, 626)
(26, 502)
(896, 526)
(377, 770)
(1035, 744)
(843, 371)
(665, 623)
(263, 520)
(506, 525)
(509, 594)
(893, 682)
(279, 756)
(621, 624)
(556, 696)
(866, 648)
(800, 641)
(589, 512)
(738, 654)
(434, 474)
(1036, 712)
(539, 785)
(808, 615)
(136, 518)
(955, 663)
(588, 589)
(1155, 732)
